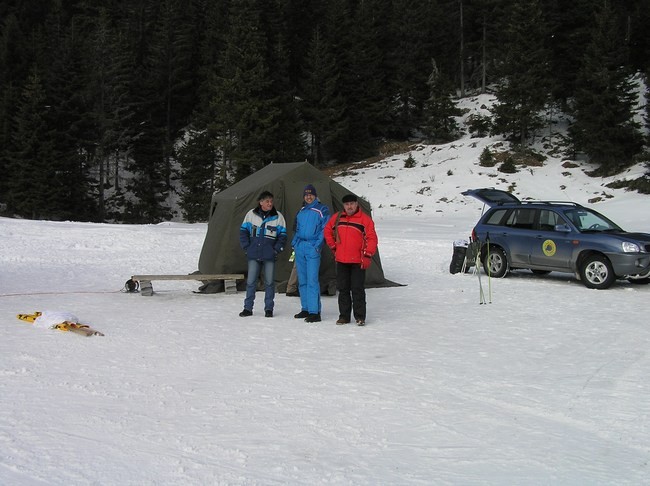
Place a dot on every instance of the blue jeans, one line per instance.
(254, 268)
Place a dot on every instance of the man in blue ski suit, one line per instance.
(262, 235)
(307, 243)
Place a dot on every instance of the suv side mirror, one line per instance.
(562, 228)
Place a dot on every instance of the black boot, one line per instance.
(301, 315)
(313, 318)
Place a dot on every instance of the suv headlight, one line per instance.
(630, 247)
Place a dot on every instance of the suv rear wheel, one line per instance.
(596, 272)
(495, 262)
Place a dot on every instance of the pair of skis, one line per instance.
(76, 328)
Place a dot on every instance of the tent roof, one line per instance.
(262, 177)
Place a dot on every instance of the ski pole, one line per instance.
(478, 273)
(489, 272)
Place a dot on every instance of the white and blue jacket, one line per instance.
(263, 235)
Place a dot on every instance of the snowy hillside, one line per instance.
(442, 172)
(547, 384)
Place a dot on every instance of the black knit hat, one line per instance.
(349, 198)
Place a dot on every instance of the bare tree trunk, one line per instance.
(318, 153)
(462, 53)
(484, 56)
(116, 183)
(168, 135)
(102, 176)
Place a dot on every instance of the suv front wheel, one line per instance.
(596, 272)
(495, 262)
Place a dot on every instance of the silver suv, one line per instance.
(548, 236)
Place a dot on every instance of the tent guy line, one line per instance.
(22, 294)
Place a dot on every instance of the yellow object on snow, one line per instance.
(77, 328)
(61, 321)
(29, 317)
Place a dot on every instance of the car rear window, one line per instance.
(496, 216)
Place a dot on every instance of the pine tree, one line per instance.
(635, 15)
(107, 87)
(172, 72)
(198, 161)
(202, 163)
(333, 35)
(440, 110)
(322, 106)
(484, 25)
(647, 105)
(568, 26)
(149, 183)
(410, 60)
(28, 164)
(285, 140)
(63, 70)
(300, 18)
(647, 120)
(12, 72)
(367, 94)
(525, 84)
(245, 106)
(604, 128)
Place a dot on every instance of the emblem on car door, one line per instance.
(549, 248)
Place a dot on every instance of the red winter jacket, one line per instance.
(356, 236)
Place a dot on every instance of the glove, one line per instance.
(366, 260)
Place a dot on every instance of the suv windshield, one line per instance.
(587, 220)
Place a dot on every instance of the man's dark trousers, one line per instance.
(350, 282)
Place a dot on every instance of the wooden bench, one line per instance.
(230, 280)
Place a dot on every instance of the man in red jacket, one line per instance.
(351, 236)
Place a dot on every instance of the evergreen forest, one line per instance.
(111, 109)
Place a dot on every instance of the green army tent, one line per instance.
(221, 252)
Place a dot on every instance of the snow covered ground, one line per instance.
(548, 384)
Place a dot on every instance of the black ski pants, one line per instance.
(350, 282)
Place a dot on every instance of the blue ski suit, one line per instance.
(307, 243)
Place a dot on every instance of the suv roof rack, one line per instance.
(556, 203)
